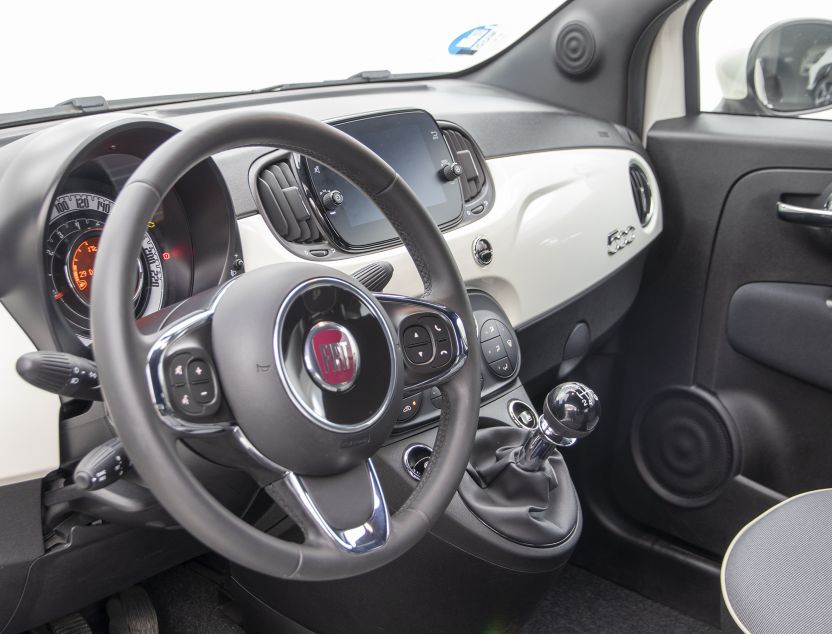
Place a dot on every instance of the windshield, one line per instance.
(63, 50)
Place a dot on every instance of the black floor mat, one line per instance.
(188, 602)
(580, 602)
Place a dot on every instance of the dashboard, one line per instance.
(548, 214)
(536, 204)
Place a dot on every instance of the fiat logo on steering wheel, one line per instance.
(331, 356)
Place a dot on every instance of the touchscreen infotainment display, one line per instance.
(413, 145)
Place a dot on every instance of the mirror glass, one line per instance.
(790, 66)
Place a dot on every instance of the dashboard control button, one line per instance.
(476, 211)
(509, 342)
(198, 371)
(493, 349)
(415, 335)
(203, 392)
(502, 368)
(436, 397)
(410, 408)
(177, 372)
(451, 171)
(437, 328)
(444, 354)
(183, 400)
(332, 199)
(489, 330)
(319, 253)
(420, 354)
(483, 252)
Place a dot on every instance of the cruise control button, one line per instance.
(177, 372)
(489, 330)
(493, 349)
(502, 368)
(437, 328)
(184, 401)
(444, 354)
(203, 392)
(198, 371)
(415, 335)
(419, 355)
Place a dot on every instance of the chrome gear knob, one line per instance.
(571, 411)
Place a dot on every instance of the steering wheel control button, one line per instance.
(483, 251)
(198, 371)
(419, 355)
(438, 328)
(415, 335)
(443, 355)
(331, 356)
(410, 408)
(502, 368)
(184, 401)
(177, 373)
(203, 393)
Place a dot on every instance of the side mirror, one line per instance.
(789, 68)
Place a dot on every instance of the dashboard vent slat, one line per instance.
(642, 194)
(466, 154)
(284, 206)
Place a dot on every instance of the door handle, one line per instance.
(804, 215)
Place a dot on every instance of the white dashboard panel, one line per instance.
(29, 427)
(549, 226)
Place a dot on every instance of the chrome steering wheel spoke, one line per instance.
(432, 337)
(347, 511)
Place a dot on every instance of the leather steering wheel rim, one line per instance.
(121, 350)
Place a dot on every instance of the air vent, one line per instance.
(284, 206)
(642, 194)
(467, 155)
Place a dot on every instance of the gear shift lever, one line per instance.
(518, 484)
(571, 411)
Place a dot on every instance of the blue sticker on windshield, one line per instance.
(472, 40)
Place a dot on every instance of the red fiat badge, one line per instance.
(331, 356)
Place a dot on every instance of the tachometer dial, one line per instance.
(71, 246)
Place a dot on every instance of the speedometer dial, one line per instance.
(71, 246)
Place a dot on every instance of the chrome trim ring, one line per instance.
(407, 466)
(367, 300)
(515, 418)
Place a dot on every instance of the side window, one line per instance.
(766, 58)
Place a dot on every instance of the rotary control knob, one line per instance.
(332, 199)
(451, 171)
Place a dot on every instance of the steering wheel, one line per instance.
(293, 373)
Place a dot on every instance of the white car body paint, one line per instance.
(549, 225)
(29, 429)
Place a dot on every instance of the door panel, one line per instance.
(736, 408)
